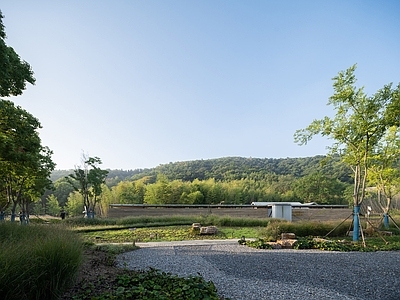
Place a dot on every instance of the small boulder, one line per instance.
(209, 230)
(196, 225)
(288, 236)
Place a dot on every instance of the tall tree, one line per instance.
(129, 192)
(73, 206)
(359, 124)
(88, 180)
(25, 164)
(62, 189)
(53, 206)
(107, 198)
(14, 72)
(384, 172)
(319, 188)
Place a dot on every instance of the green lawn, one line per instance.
(166, 233)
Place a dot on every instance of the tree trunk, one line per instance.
(386, 212)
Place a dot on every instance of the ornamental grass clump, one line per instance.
(240, 222)
(37, 261)
(302, 229)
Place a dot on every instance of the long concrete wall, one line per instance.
(241, 212)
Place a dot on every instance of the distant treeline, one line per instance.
(229, 180)
(232, 168)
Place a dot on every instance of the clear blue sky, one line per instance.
(143, 83)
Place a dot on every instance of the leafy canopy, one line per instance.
(14, 72)
(358, 126)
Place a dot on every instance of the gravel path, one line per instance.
(240, 272)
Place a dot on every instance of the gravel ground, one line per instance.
(240, 272)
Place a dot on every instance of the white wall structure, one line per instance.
(282, 211)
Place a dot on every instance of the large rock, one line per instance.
(209, 230)
(288, 236)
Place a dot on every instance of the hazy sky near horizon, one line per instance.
(143, 83)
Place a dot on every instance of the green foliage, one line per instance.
(157, 285)
(358, 127)
(37, 261)
(159, 232)
(74, 206)
(228, 169)
(237, 168)
(53, 207)
(85, 222)
(107, 198)
(242, 181)
(144, 234)
(25, 163)
(131, 192)
(231, 221)
(258, 244)
(384, 172)
(344, 245)
(319, 188)
(302, 229)
(329, 245)
(14, 72)
(114, 249)
(204, 220)
(62, 189)
(87, 181)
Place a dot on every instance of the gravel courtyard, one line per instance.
(240, 272)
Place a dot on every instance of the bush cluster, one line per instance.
(146, 221)
(275, 228)
(156, 285)
(37, 261)
(258, 244)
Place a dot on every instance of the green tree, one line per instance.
(107, 198)
(129, 192)
(53, 207)
(88, 180)
(14, 72)
(320, 188)
(62, 189)
(25, 165)
(359, 124)
(159, 192)
(73, 206)
(384, 172)
(38, 208)
(195, 198)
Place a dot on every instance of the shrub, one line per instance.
(330, 245)
(258, 244)
(37, 261)
(302, 229)
(80, 221)
(157, 285)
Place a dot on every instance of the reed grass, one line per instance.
(149, 221)
(275, 228)
(37, 261)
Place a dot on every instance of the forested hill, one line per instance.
(120, 174)
(233, 168)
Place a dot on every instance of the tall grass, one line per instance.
(143, 221)
(303, 229)
(37, 261)
(227, 221)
